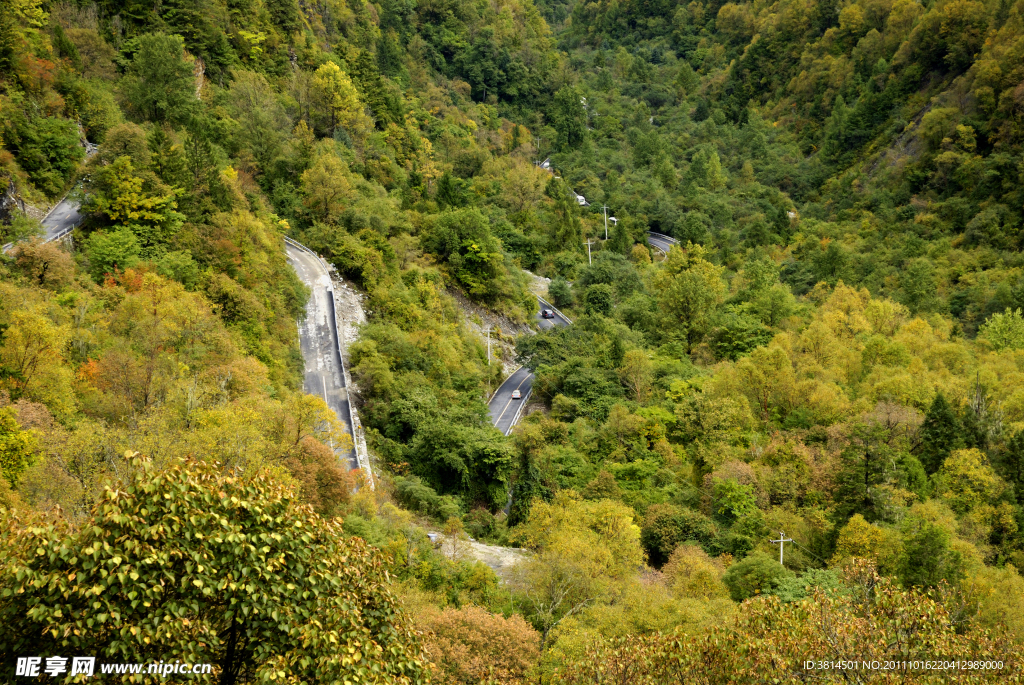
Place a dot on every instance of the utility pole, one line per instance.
(488, 346)
(605, 208)
(782, 543)
(589, 260)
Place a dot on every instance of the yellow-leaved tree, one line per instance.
(308, 604)
(581, 547)
(336, 98)
(693, 289)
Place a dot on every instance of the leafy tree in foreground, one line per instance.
(111, 251)
(119, 195)
(193, 565)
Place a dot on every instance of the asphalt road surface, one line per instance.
(504, 409)
(663, 243)
(63, 217)
(317, 338)
(545, 324)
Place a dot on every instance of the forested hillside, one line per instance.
(832, 355)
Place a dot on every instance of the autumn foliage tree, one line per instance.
(770, 641)
(192, 565)
(470, 645)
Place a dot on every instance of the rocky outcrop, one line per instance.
(9, 202)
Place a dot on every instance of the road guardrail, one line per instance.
(555, 310)
(519, 412)
(362, 459)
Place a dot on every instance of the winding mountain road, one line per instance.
(661, 242)
(65, 215)
(62, 219)
(505, 412)
(324, 374)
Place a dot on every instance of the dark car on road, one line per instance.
(547, 314)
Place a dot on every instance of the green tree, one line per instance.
(167, 160)
(463, 239)
(706, 170)
(326, 188)
(560, 292)
(1013, 464)
(161, 86)
(569, 117)
(385, 104)
(918, 285)
(941, 433)
(832, 146)
(687, 80)
(566, 229)
(691, 291)
(338, 101)
(46, 148)
(963, 28)
(450, 191)
(65, 48)
(735, 335)
(636, 371)
(732, 499)
(967, 481)
(757, 574)
(119, 196)
(866, 463)
(927, 558)
(1005, 331)
(620, 240)
(599, 299)
(667, 526)
(112, 251)
(257, 584)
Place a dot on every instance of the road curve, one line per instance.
(65, 215)
(61, 219)
(505, 411)
(661, 242)
(318, 337)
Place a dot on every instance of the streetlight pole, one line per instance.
(605, 208)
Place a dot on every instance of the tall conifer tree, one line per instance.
(941, 434)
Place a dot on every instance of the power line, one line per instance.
(809, 551)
